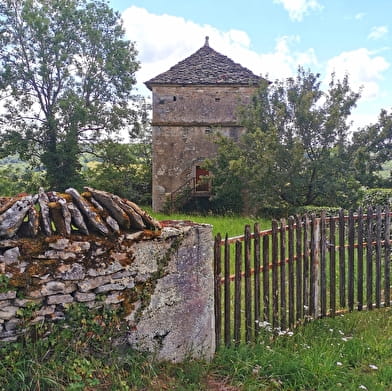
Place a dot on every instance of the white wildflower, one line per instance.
(345, 339)
(372, 366)
(341, 332)
(339, 364)
(362, 387)
(256, 369)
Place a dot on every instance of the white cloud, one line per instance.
(378, 32)
(359, 16)
(179, 38)
(364, 69)
(298, 8)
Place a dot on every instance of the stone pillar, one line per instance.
(178, 322)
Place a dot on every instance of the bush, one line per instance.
(373, 197)
(310, 209)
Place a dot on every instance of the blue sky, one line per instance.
(272, 37)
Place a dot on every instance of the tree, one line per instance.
(125, 169)
(371, 148)
(66, 78)
(295, 148)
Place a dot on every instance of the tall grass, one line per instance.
(233, 225)
(350, 352)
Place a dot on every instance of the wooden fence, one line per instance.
(307, 268)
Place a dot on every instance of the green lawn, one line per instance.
(350, 352)
(232, 225)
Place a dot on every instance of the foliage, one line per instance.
(310, 209)
(66, 76)
(373, 197)
(18, 178)
(371, 148)
(295, 148)
(125, 169)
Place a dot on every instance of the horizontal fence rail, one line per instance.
(303, 268)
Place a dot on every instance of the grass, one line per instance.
(349, 352)
(233, 225)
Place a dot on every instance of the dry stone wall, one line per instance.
(162, 279)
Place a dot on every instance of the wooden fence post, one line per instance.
(351, 240)
(248, 287)
(275, 273)
(256, 265)
(360, 260)
(283, 305)
(369, 260)
(314, 270)
(306, 265)
(342, 261)
(378, 257)
(237, 292)
(227, 317)
(217, 290)
(387, 258)
(298, 272)
(266, 279)
(332, 265)
(291, 271)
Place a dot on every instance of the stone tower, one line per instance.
(191, 101)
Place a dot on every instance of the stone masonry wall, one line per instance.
(176, 152)
(165, 284)
(203, 104)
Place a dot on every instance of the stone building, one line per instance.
(191, 101)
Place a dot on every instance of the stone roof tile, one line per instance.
(206, 66)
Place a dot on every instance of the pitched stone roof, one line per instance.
(206, 66)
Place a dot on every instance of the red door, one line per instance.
(202, 179)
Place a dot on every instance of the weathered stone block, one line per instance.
(92, 283)
(5, 303)
(83, 297)
(114, 299)
(8, 295)
(11, 255)
(52, 288)
(59, 244)
(60, 299)
(7, 313)
(47, 310)
(71, 272)
(12, 324)
(104, 270)
(122, 274)
(110, 287)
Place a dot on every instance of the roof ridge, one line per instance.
(206, 66)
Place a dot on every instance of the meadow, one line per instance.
(349, 352)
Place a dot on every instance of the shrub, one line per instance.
(310, 209)
(375, 197)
